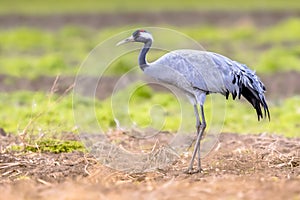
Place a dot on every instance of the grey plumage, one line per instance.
(210, 73)
(199, 73)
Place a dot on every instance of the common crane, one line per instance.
(199, 73)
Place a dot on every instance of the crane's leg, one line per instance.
(198, 126)
(200, 132)
(198, 122)
(200, 135)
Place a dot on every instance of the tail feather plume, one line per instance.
(239, 80)
(247, 84)
(257, 100)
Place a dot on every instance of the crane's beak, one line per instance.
(130, 39)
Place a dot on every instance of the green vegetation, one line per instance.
(35, 112)
(51, 145)
(164, 111)
(38, 113)
(96, 6)
(30, 53)
(284, 115)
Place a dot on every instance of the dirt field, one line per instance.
(240, 167)
(98, 21)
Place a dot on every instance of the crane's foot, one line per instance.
(193, 171)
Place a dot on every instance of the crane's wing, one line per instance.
(212, 73)
(196, 67)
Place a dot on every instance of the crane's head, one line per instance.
(138, 36)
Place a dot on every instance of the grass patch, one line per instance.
(32, 52)
(280, 59)
(275, 36)
(41, 111)
(144, 108)
(284, 115)
(50, 146)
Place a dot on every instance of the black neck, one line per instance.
(142, 58)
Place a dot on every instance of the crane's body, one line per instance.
(199, 73)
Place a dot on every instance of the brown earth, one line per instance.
(239, 167)
(187, 18)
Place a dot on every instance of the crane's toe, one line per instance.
(193, 171)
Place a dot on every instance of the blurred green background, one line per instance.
(47, 7)
(42, 39)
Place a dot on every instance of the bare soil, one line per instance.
(240, 167)
(184, 18)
